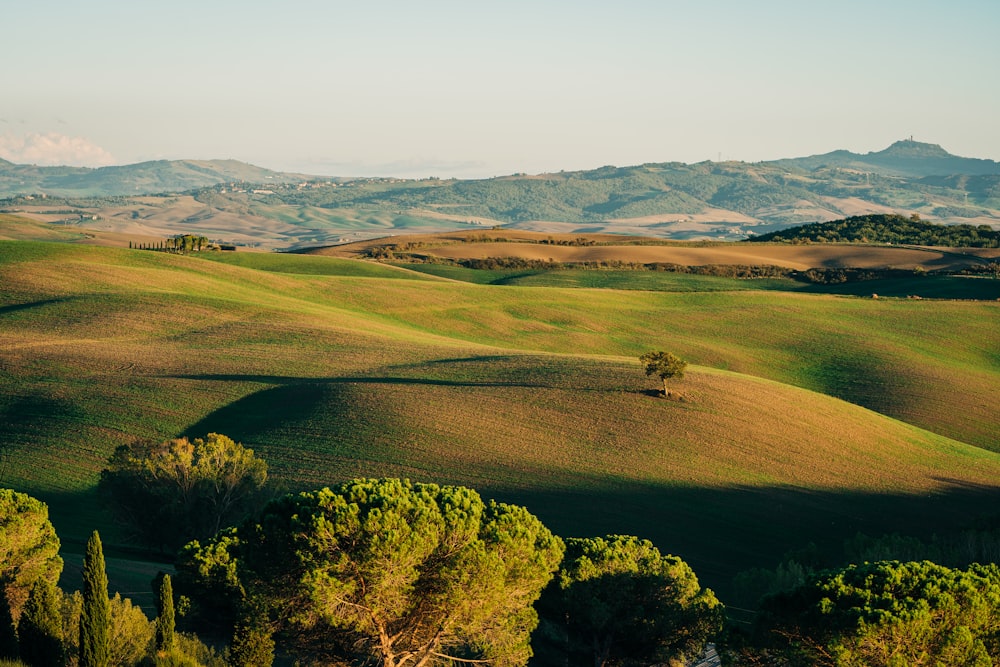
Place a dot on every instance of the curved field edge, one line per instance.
(330, 377)
(931, 364)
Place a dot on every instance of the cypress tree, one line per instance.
(41, 627)
(95, 616)
(8, 634)
(165, 617)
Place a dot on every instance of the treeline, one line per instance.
(818, 276)
(891, 228)
(182, 243)
(370, 571)
(405, 574)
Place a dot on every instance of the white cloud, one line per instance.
(51, 148)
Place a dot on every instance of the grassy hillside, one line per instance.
(333, 368)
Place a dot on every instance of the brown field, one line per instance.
(532, 246)
(162, 217)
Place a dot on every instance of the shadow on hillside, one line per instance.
(859, 375)
(327, 409)
(718, 531)
(14, 307)
(378, 379)
(721, 532)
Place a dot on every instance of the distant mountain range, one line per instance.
(708, 200)
(906, 159)
(903, 159)
(158, 176)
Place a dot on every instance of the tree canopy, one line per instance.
(618, 601)
(408, 574)
(664, 365)
(169, 493)
(883, 614)
(887, 228)
(29, 547)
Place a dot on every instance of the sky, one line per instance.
(477, 89)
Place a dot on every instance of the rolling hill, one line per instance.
(805, 417)
(143, 178)
(905, 159)
(707, 200)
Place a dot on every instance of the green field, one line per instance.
(806, 417)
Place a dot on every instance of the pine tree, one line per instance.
(8, 634)
(165, 617)
(41, 627)
(95, 616)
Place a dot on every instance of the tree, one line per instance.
(882, 614)
(9, 649)
(29, 547)
(95, 615)
(617, 601)
(130, 632)
(408, 574)
(165, 615)
(173, 492)
(40, 629)
(252, 644)
(664, 365)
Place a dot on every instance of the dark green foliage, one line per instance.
(8, 632)
(882, 614)
(887, 229)
(165, 615)
(189, 651)
(618, 601)
(40, 629)
(399, 571)
(29, 547)
(252, 644)
(95, 615)
(187, 243)
(664, 365)
(173, 492)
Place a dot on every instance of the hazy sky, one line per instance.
(473, 89)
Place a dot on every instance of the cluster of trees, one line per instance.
(386, 570)
(41, 626)
(181, 243)
(404, 574)
(881, 614)
(890, 228)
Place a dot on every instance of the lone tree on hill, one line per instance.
(665, 365)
